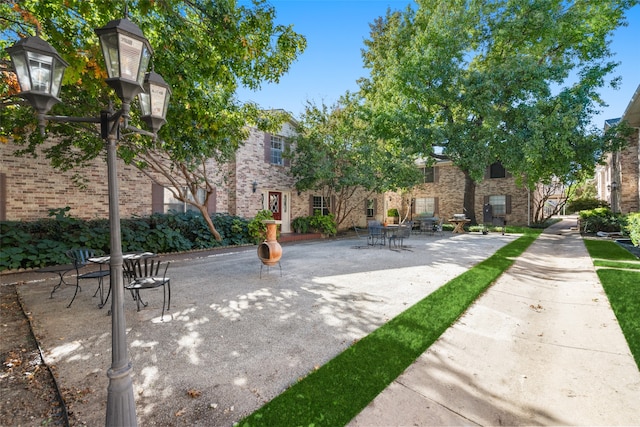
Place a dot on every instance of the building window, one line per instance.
(171, 204)
(321, 204)
(277, 147)
(370, 208)
(425, 205)
(428, 174)
(496, 170)
(498, 204)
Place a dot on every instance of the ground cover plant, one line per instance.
(44, 242)
(622, 286)
(336, 392)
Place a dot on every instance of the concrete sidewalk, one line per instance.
(541, 347)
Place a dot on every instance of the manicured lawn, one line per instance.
(621, 286)
(336, 392)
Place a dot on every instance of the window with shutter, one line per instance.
(370, 208)
(321, 204)
(277, 148)
(498, 204)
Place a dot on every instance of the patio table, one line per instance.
(60, 270)
(458, 224)
(107, 260)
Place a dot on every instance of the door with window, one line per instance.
(275, 204)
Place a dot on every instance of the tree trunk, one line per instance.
(207, 218)
(469, 198)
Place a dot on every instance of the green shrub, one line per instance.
(44, 242)
(601, 219)
(257, 228)
(585, 204)
(325, 224)
(633, 227)
(301, 224)
(393, 213)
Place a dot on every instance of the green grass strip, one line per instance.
(608, 250)
(342, 388)
(616, 264)
(622, 288)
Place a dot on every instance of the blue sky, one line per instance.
(335, 31)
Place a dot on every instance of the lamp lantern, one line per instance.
(154, 101)
(40, 69)
(126, 54)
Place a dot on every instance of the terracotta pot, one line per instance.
(270, 250)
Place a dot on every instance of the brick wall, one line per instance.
(629, 190)
(449, 189)
(33, 187)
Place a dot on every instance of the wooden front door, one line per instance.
(275, 204)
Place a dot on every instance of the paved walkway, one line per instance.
(541, 347)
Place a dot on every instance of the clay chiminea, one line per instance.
(270, 250)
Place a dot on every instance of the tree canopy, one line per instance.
(478, 81)
(203, 49)
(334, 152)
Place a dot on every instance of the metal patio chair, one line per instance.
(399, 235)
(80, 258)
(377, 234)
(148, 273)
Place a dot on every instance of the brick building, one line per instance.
(256, 179)
(618, 180)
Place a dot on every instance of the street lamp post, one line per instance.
(127, 54)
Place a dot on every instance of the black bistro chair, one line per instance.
(399, 235)
(80, 258)
(148, 273)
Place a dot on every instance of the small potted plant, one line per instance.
(393, 215)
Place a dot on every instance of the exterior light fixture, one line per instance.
(254, 186)
(154, 101)
(39, 69)
(127, 54)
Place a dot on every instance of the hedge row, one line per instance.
(44, 242)
(603, 219)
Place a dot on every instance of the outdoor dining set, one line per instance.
(394, 235)
(141, 270)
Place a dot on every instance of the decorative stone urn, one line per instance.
(270, 250)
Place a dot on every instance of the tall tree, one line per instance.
(203, 49)
(478, 81)
(335, 153)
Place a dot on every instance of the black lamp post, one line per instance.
(127, 54)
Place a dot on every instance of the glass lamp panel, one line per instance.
(130, 55)
(23, 73)
(40, 66)
(56, 82)
(144, 64)
(158, 96)
(109, 43)
(144, 103)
